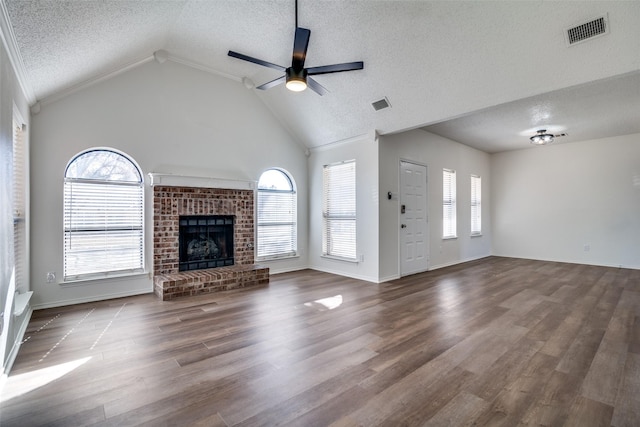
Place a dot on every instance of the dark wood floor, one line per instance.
(497, 341)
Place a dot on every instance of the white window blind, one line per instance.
(476, 205)
(103, 216)
(448, 204)
(339, 210)
(19, 208)
(277, 228)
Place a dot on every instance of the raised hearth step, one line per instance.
(198, 282)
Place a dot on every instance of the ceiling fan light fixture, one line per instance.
(542, 138)
(296, 85)
(295, 77)
(296, 80)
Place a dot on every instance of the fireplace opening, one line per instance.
(205, 242)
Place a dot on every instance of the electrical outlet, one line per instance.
(587, 247)
(51, 277)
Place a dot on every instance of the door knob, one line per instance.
(403, 226)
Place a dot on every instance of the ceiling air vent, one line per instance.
(381, 104)
(587, 31)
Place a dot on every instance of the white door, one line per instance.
(414, 255)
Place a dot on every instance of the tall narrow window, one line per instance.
(103, 216)
(476, 205)
(277, 229)
(339, 210)
(19, 208)
(449, 204)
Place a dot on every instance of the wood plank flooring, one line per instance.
(497, 341)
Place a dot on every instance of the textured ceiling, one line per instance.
(605, 108)
(432, 60)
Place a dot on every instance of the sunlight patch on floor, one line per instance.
(326, 303)
(17, 385)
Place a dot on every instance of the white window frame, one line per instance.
(476, 205)
(103, 223)
(449, 208)
(339, 219)
(277, 229)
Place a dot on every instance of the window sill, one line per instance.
(21, 302)
(277, 258)
(93, 280)
(450, 238)
(337, 258)
(476, 235)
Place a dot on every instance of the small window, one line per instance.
(103, 216)
(277, 226)
(449, 204)
(476, 205)
(339, 210)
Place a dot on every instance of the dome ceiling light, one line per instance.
(543, 138)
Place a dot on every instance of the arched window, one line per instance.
(103, 216)
(277, 229)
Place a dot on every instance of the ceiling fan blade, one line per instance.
(256, 61)
(300, 45)
(272, 83)
(335, 68)
(316, 87)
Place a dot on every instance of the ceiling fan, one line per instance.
(543, 138)
(297, 77)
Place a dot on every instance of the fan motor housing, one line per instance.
(293, 74)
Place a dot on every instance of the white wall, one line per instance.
(170, 119)
(437, 153)
(174, 119)
(365, 153)
(11, 97)
(550, 202)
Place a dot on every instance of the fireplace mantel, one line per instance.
(172, 180)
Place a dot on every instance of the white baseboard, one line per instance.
(91, 299)
(342, 273)
(273, 271)
(570, 261)
(389, 278)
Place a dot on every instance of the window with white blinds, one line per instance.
(103, 216)
(449, 204)
(476, 205)
(339, 210)
(277, 205)
(19, 208)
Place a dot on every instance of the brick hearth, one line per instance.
(169, 202)
(198, 282)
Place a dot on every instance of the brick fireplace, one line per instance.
(170, 202)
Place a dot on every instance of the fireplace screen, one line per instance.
(205, 242)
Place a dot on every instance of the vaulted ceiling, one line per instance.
(487, 74)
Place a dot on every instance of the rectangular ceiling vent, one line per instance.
(381, 104)
(587, 31)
